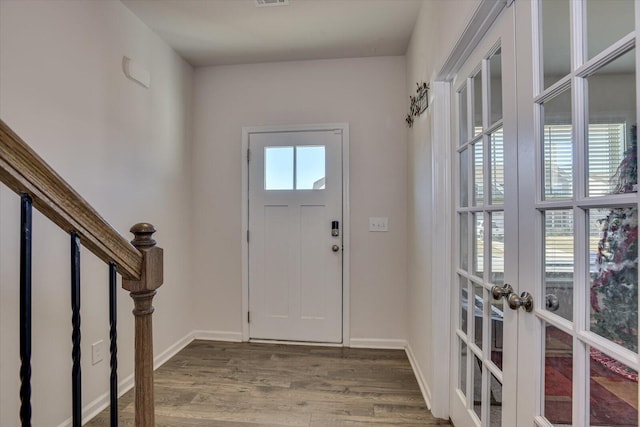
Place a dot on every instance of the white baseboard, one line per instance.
(422, 382)
(217, 336)
(102, 402)
(378, 343)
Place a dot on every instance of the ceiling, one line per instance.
(222, 32)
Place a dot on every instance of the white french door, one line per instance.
(295, 235)
(577, 117)
(560, 347)
(484, 335)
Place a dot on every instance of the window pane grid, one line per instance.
(608, 371)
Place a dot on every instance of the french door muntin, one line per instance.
(484, 386)
(581, 343)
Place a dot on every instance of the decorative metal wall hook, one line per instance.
(419, 103)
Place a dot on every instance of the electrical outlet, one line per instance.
(97, 352)
(378, 224)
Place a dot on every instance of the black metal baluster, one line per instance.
(25, 310)
(113, 344)
(76, 382)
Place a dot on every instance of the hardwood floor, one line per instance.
(249, 385)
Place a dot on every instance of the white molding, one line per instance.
(217, 336)
(102, 402)
(441, 252)
(245, 228)
(346, 218)
(174, 349)
(307, 343)
(378, 343)
(482, 19)
(422, 381)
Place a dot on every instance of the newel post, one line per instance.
(142, 291)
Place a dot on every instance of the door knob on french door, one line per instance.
(335, 248)
(525, 300)
(498, 292)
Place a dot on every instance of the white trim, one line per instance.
(308, 343)
(100, 403)
(217, 336)
(441, 253)
(174, 349)
(482, 19)
(378, 343)
(422, 381)
(346, 241)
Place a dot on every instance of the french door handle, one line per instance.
(499, 292)
(525, 300)
(552, 302)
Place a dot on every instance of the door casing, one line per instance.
(246, 132)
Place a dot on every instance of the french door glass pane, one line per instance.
(613, 254)
(495, 85)
(464, 303)
(463, 104)
(607, 22)
(495, 413)
(611, 135)
(462, 365)
(478, 174)
(558, 376)
(557, 149)
(477, 386)
(478, 243)
(464, 178)
(556, 40)
(464, 241)
(558, 260)
(477, 104)
(613, 389)
(497, 166)
(497, 248)
(497, 317)
(478, 313)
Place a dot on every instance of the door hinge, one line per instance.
(248, 317)
(248, 155)
(247, 236)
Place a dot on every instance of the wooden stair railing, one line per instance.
(140, 263)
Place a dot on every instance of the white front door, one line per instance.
(295, 235)
(484, 332)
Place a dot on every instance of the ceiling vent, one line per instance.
(265, 3)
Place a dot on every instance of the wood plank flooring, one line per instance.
(270, 385)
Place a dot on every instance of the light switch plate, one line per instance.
(378, 224)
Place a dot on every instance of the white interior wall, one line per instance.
(439, 26)
(367, 93)
(132, 160)
(126, 149)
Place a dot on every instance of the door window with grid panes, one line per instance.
(584, 268)
(483, 118)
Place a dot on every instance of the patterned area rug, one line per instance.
(613, 388)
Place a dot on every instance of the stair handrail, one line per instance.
(139, 262)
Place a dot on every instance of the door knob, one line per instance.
(335, 248)
(498, 292)
(525, 300)
(552, 302)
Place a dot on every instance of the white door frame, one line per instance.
(346, 288)
(442, 162)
